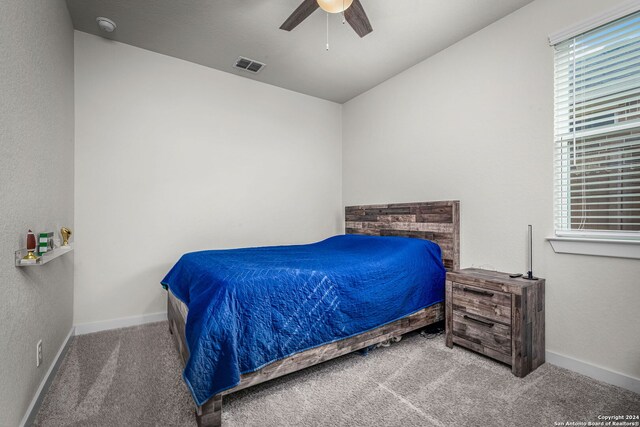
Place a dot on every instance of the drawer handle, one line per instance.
(482, 322)
(479, 292)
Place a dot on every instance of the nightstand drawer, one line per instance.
(483, 332)
(486, 303)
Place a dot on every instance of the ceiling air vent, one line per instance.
(248, 64)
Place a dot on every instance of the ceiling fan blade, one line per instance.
(357, 18)
(306, 8)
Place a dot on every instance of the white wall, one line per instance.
(173, 157)
(36, 191)
(475, 123)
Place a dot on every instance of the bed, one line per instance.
(319, 306)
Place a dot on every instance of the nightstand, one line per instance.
(500, 317)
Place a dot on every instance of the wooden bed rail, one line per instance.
(210, 414)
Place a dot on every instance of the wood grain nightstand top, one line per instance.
(492, 279)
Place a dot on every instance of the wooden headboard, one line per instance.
(435, 221)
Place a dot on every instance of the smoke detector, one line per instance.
(105, 24)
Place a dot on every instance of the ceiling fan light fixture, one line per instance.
(334, 6)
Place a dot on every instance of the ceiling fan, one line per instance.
(353, 11)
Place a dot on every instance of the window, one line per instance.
(597, 132)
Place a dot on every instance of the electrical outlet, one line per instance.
(39, 354)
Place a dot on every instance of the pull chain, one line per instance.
(343, 21)
(327, 31)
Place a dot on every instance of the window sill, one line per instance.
(596, 247)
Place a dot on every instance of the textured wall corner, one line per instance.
(36, 190)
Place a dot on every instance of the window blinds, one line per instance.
(597, 131)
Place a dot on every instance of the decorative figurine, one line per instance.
(66, 233)
(31, 246)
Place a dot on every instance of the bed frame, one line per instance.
(436, 221)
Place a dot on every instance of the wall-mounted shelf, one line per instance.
(41, 260)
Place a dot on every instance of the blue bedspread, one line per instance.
(250, 307)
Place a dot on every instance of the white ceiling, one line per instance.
(215, 32)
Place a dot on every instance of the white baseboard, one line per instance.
(593, 371)
(34, 406)
(123, 322)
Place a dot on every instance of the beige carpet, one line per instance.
(131, 377)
